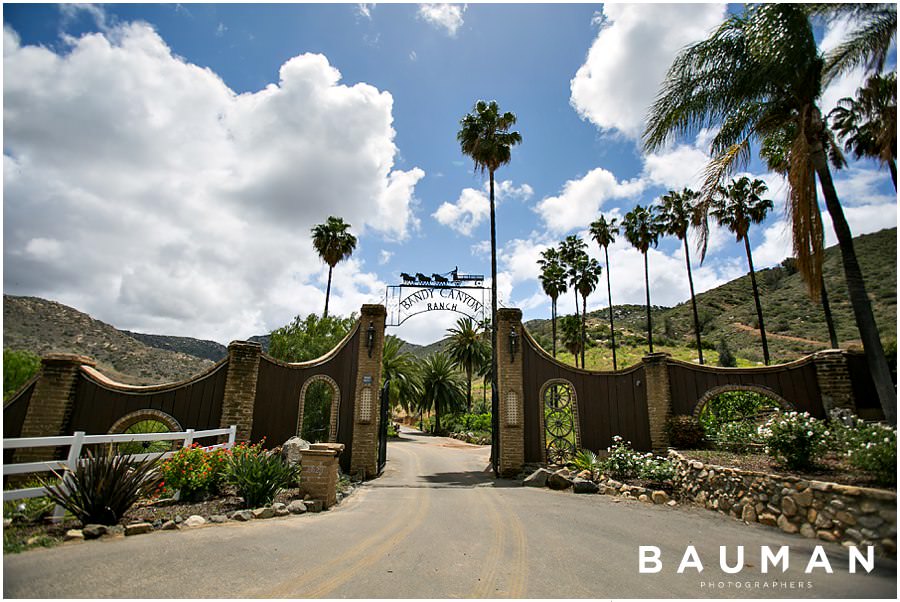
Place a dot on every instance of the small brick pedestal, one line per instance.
(320, 472)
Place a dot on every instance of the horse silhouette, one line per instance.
(440, 279)
(406, 277)
(422, 277)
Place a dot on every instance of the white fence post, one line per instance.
(189, 439)
(71, 465)
(232, 436)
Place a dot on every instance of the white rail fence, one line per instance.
(76, 443)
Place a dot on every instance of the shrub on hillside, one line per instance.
(726, 358)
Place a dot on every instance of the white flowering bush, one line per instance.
(626, 463)
(871, 447)
(794, 439)
(738, 436)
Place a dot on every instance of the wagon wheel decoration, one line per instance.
(559, 423)
(560, 451)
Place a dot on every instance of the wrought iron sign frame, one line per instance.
(439, 292)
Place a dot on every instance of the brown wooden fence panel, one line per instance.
(195, 404)
(864, 392)
(14, 416)
(277, 405)
(795, 382)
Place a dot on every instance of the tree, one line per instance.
(868, 123)
(571, 250)
(586, 278)
(736, 207)
(400, 370)
(485, 136)
(759, 75)
(553, 281)
(679, 212)
(726, 358)
(642, 230)
(868, 45)
(442, 388)
(18, 368)
(604, 233)
(570, 331)
(466, 347)
(334, 243)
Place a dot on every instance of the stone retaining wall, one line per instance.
(815, 509)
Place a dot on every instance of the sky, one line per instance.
(163, 164)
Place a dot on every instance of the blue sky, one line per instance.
(163, 164)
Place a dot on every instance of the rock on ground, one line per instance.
(194, 520)
(558, 481)
(296, 507)
(74, 534)
(585, 486)
(538, 478)
(138, 528)
(263, 512)
(242, 515)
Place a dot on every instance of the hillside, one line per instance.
(42, 327)
(795, 326)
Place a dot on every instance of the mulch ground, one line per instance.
(830, 469)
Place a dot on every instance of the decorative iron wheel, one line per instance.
(560, 451)
(557, 396)
(558, 424)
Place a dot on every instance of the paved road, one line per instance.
(436, 525)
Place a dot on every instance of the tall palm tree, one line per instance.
(736, 207)
(553, 281)
(868, 44)
(570, 333)
(868, 123)
(400, 369)
(442, 388)
(466, 347)
(604, 233)
(760, 74)
(334, 243)
(586, 283)
(571, 250)
(642, 229)
(678, 214)
(484, 135)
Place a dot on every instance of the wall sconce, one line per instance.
(513, 342)
(370, 338)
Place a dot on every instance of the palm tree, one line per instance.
(605, 234)
(868, 45)
(642, 230)
(553, 281)
(586, 283)
(442, 388)
(571, 250)
(401, 371)
(466, 347)
(760, 74)
(736, 207)
(333, 243)
(485, 137)
(868, 123)
(678, 214)
(570, 333)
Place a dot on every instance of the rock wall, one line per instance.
(814, 509)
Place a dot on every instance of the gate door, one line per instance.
(383, 426)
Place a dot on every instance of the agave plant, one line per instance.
(585, 459)
(259, 476)
(102, 488)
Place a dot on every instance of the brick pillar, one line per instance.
(50, 407)
(659, 398)
(366, 414)
(510, 393)
(319, 474)
(240, 387)
(833, 377)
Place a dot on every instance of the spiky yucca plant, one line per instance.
(101, 489)
(585, 459)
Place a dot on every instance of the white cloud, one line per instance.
(473, 206)
(629, 58)
(857, 185)
(579, 202)
(183, 206)
(221, 29)
(384, 256)
(364, 9)
(413, 56)
(443, 16)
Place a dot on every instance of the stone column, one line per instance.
(52, 400)
(510, 393)
(659, 398)
(240, 387)
(319, 474)
(833, 377)
(366, 414)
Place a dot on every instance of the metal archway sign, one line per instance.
(451, 291)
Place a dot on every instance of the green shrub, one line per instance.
(871, 447)
(732, 406)
(18, 368)
(193, 471)
(685, 432)
(738, 436)
(622, 461)
(585, 459)
(794, 439)
(259, 475)
(726, 358)
(102, 488)
(656, 470)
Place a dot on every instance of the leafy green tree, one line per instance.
(760, 75)
(726, 358)
(570, 331)
(466, 348)
(736, 207)
(553, 281)
(642, 229)
(604, 233)
(334, 243)
(571, 251)
(401, 371)
(19, 367)
(679, 212)
(868, 123)
(586, 277)
(442, 387)
(484, 135)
